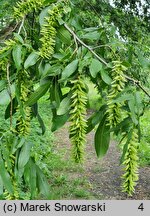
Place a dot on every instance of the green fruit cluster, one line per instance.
(9, 45)
(130, 163)
(25, 7)
(23, 121)
(117, 86)
(48, 31)
(77, 117)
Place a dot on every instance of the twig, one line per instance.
(15, 27)
(76, 45)
(10, 94)
(137, 82)
(107, 46)
(76, 49)
(21, 26)
(86, 46)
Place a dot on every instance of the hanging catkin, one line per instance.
(23, 121)
(77, 117)
(117, 85)
(25, 7)
(48, 31)
(130, 164)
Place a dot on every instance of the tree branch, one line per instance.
(86, 46)
(107, 46)
(21, 26)
(137, 82)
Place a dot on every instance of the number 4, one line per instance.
(141, 207)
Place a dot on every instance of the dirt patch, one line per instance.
(104, 174)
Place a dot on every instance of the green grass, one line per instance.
(144, 149)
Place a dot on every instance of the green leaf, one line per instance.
(102, 138)
(43, 14)
(59, 121)
(42, 182)
(132, 108)
(26, 173)
(123, 97)
(35, 109)
(123, 126)
(60, 21)
(44, 68)
(95, 67)
(49, 70)
(95, 118)
(39, 118)
(19, 38)
(64, 35)
(91, 35)
(139, 103)
(17, 53)
(31, 60)
(77, 23)
(17, 143)
(5, 176)
(105, 77)
(35, 96)
(4, 95)
(64, 106)
(90, 29)
(32, 178)
(24, 155)
(3, 84)
(55, 94)
(69, 69)
(41, 122)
